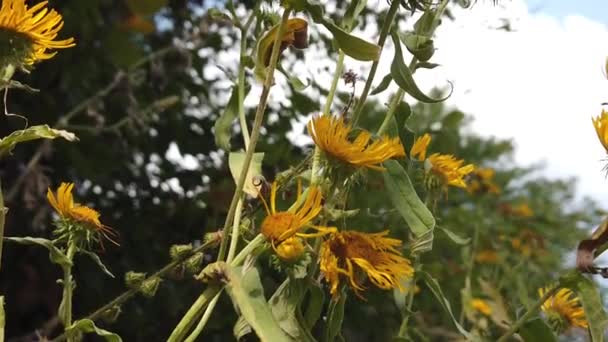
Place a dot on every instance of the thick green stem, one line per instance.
(392, 108)
(531, 311)
(386, 26)
(201, 324)
(255, 134)
(334, 83)
(68, 289)
(241, 76)
(409, 303)
(193, 314)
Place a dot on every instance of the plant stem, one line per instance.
(195, 310)
(2, 220)
(334, 83)
(531, 311)
(392, 108)
(201, 324)
(234, 235)
(255, 134)
(386, 26)
(410, 302)
(68, 288)
(241, 76)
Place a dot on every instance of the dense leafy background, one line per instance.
(154, 201)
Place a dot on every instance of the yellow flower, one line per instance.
(487, 256)
(601, 128)
(450, 169)
(482, 182)
(564, 307)
(345, 253)
(331, 135)
(522, 210)
(481, 306)
(63, 202)
(31, 31)
(420, 146)
(290, 249)
(279, 226)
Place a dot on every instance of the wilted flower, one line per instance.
(348, 253)
(563, 310)
(28, 33)
(331, 135)
(482, 181)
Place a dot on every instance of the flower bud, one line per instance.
(148, 288)
(178, 252)
(111, 315)
(194, 263)
(133, 280)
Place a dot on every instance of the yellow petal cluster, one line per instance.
(450, 169)
(601, 128)
(420, 146)
(37, 25)
(348, 253)
(63, 203)
(482, 181)
(331, 135)
(565, 306)
(481, 306)
(282, 227)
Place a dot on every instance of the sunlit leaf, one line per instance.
(236, 161)
(296, 35)
(56, 255)
(285, 303)
(457, 239)
(223, 125)
(386, 81)
(88, 326)
(32, 133)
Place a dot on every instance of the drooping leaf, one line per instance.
(98, 261)
(352, 12)
(403, 76)
(420, 46)
(88, 326)
(426, 65)
(32, 133)
(241, 328)
(386, 81)
(457, 239)
(55, 254)
(405, 199)
(245, 289)
(537, 330)
(223, 125)
(352, 46)
(590, 298)
(433, 285)
(235, 162)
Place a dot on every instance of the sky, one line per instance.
(538, 85)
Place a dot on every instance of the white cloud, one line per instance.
(539, 84)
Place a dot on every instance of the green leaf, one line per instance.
(335, 316)
(98, 261)
(32, 133)
(427, 23)
(353, 46)
(405, 199)
(245, 289)
(223, 125)
(55, 254)
(316, 299)
(88, 326)
(433, 285)
(386, 81)
(285, 303)
(241, 328)
(426, 65)
(352, 12)
(457, 239)
(235, 162)
(537, 330)
(420, 46)
(589, 295)
(403, 76)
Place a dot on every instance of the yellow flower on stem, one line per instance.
(449, 169)
(280, 227)
(63, 203)
(563, 310)
(419, 148)
(349, 253)
(331, 135)
(601, 128)
(481, 306)
(29, 32)
(482, 182)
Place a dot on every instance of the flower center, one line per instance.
(275, 225)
